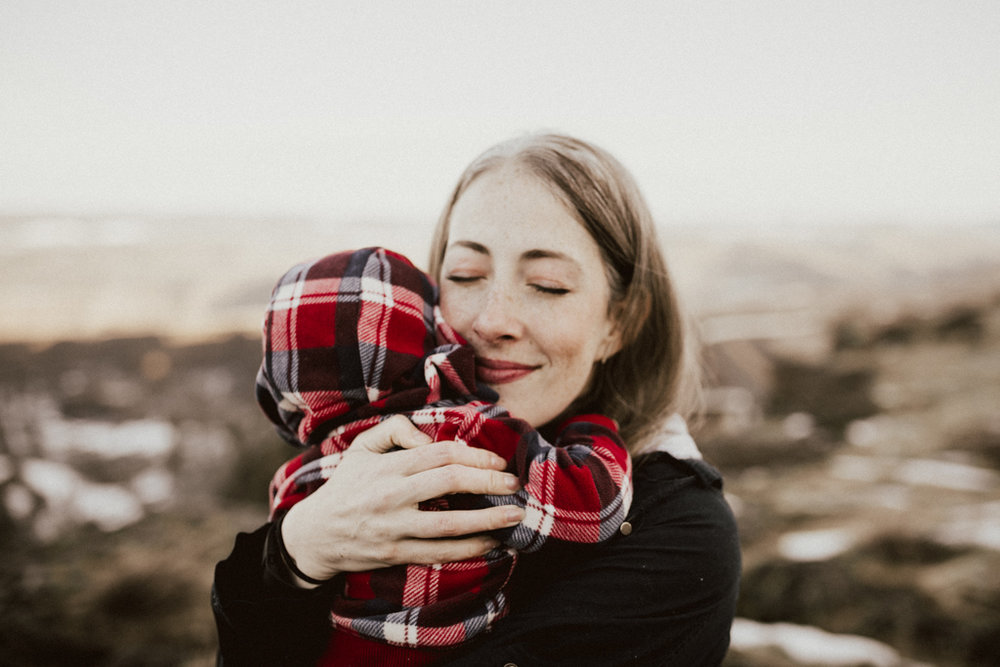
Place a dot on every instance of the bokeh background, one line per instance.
(825, 180)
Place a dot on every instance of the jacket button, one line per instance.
(509, 664)
(626, 528)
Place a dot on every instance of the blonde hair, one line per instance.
(653, 375)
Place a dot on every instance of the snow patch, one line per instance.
(816, 545)
(808, 645)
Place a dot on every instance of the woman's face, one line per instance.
(525, 284)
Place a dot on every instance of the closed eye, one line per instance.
(462, 279)
(544, 289)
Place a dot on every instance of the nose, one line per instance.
(499, 317)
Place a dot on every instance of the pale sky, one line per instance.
(737, 112)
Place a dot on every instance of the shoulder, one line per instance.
(670, 489)
(678, 496)
(682, 525)
(680, 513)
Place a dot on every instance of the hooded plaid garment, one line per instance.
(353, 338)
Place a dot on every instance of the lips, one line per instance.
(498, 371)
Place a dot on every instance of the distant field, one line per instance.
(68, 278)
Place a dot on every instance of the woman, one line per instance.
(549, 266)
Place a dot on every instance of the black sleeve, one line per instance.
(665, 594)
(262, 621)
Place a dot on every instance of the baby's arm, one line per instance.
(299, 477)
(577, 490)
(302, 475)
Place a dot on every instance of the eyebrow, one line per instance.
(473, 246)
(537, 253)
(547, 254)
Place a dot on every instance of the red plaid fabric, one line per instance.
(353, 338)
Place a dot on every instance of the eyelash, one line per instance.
(555, 291)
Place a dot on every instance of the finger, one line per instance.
(458, 523)
(446, 453)
(427, 552)
(450, 479)
(397, 431)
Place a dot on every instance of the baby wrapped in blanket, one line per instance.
(356, 337)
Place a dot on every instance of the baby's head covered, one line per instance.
(344, 338)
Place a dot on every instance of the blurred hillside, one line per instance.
(853, 378)
(69, 278)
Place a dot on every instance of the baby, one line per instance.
(355, 337)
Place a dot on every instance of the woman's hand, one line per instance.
(366, 515)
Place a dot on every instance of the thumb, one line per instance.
(397, 431)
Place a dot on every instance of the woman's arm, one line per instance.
(366, 518)
(261, 620)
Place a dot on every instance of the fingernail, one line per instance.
(512, 482)
(513, 514)
(498, 462)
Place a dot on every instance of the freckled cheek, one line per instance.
(572, 335)
(570, 348)
(457, 312)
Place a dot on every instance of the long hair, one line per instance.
(654, 373)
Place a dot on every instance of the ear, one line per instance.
(613, 339)
(610, 346)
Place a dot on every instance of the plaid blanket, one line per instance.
(355, 337)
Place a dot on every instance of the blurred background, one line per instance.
(825, 180)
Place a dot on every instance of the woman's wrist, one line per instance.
(292, 565)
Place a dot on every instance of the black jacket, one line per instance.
(664, 594)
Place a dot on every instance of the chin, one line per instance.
(520, 412)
